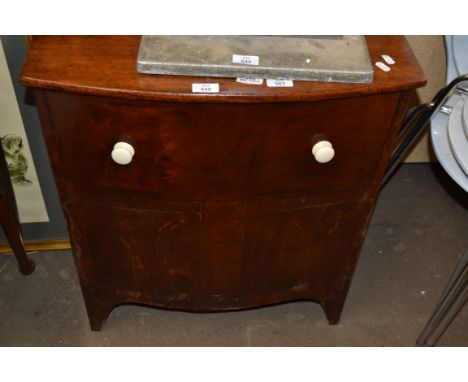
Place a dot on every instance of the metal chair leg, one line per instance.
(450, 303)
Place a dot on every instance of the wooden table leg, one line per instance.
(450, 303)
(9, 219)
(12, 231)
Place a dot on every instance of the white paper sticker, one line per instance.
(279, 83)
(382, 66)
(388, 59)
(247, 60)
(250, 81)
(205, 88)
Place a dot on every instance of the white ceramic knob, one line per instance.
(122, 153)
(323, 152)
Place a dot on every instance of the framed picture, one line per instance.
(25, 152)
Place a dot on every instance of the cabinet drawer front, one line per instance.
(218, 151)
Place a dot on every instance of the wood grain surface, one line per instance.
(93, 65)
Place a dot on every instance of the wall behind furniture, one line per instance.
(431, 54)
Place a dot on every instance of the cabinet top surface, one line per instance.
(106, 65)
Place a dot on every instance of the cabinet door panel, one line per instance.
(216, 254)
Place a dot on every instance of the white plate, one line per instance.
(456, 136)
(443, 152)
(458, 55)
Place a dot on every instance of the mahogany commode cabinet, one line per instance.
(221, 204)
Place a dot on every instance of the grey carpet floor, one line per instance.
(418, 231)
